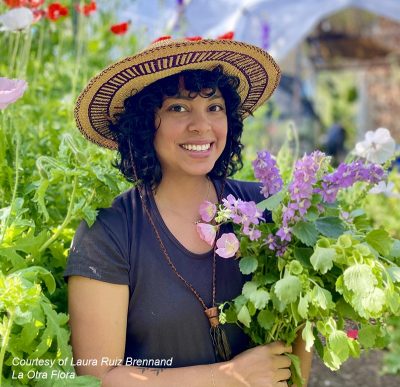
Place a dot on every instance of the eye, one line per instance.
(216, 108)
(177, 108)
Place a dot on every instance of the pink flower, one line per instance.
(227, 245)
(11, 90)
(352, 333)
(207, 232)
(207, 211)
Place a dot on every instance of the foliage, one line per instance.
(50, 179)
(320, 263)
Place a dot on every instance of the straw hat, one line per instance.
(104, 95)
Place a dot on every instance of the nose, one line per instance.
(199, 122)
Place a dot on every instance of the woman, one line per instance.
(141, 281)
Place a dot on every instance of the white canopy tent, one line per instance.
(279, 25)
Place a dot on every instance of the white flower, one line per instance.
(16, 19)
(377, 147)
(382, 187)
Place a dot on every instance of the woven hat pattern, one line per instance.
(105, 94)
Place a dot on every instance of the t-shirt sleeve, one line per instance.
(100, 251)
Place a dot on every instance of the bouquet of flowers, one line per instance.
(319, 265)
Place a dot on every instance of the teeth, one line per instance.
(197, 148)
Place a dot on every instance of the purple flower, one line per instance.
(207, 232)
(346, 175)
(207, 211)
(274, 244)
(227, 245)
(247, 213)
(301, 188)
(266, 171)
(230, 202)
(284, 233)
(252, 232)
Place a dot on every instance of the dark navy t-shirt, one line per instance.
(165, 320)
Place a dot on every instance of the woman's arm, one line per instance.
(98, 314)
(299, 349)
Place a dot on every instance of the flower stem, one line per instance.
(24, 57)
(14, 54)
(4, 343)
(14, 194)
(79, 52)
(66, 220)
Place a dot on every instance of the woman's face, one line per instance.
(191, 133)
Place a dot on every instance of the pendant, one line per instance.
(219, 339)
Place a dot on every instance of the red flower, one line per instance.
(24, 3)
(15, 3)
(87, 9)
(55, 11)
(352, 333)
(165, 37)
(228, 36)
(120, 29)
(194, 38)
(38, 14)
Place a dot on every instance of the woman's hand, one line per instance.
(262, 366)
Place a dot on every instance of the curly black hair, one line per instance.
(135, 127)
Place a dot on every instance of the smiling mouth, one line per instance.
(197, 148)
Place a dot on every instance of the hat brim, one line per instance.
(105, 94)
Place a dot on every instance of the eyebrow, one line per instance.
(186, 98)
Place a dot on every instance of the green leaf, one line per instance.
(244, 316)
(303, 254)
(55, 330)
(395, 251)
(392, 300)
(367, 336)
(330, 226)
(308, 336)
(260, 298)
(394, 272)
(346, 310)
(338, 343)
(39, 198)
(249, 288)
(33, 273)
(331, 360)
(295, 267)
(272, 202)
(295, 370)
(354, 348)
(303, 306)
(288, 289)
(322, 298)
(359, 278)
(322, 259)
(370, 305)
(248, 265)
(312, 214)
(266, 319)
(306, 232)
(380, 240)
(318, 343)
